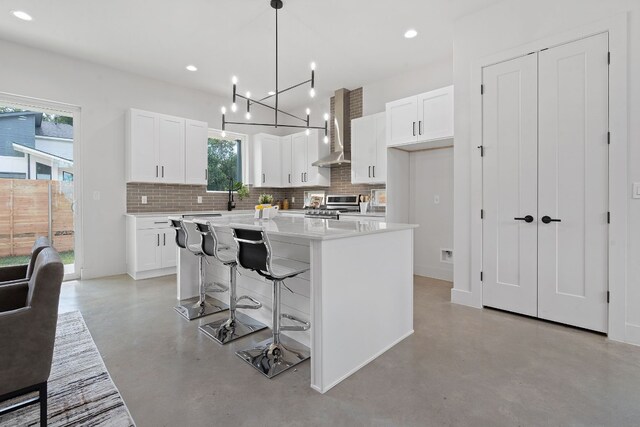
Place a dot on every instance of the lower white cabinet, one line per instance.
(151, 247)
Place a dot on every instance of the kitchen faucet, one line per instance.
(231, 204)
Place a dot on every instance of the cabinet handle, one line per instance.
(302, 177)
(158, 236)
(163, 171)
(289, 178)
(305, 177)
(369, 168)
(164, 239)
(420, 127)
(264, 178)
(156, 171)
(206, 175)
(374, 171)
(414, 128)
(159, 222)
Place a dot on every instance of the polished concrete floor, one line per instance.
(462, 366)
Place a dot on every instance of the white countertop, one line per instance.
(313, 228)
(199, 213)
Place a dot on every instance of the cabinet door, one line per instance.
(363, 149)
(299, 159)
(435, 114)
(143, 155)
(195, 169)
(379, 170)
(169, 247)
(271, 161)
(285, 157)
(171, 132)
(402, 121)
(148, 249)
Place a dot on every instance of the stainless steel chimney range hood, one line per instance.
(341, 115)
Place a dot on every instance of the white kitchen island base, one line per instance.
(358, 294)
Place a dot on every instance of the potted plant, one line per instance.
(265, 201)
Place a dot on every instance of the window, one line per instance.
(224, 160)
(67, 176)
(43, 171)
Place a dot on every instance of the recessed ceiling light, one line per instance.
(191, 68)
(271, 93)
(410, 34)
(22, 15)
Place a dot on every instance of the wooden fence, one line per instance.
(24, 215)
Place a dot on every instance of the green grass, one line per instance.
(67, 257)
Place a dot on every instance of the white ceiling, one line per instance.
(353, 42)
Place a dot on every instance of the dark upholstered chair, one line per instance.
(27, 334)
(19, 275)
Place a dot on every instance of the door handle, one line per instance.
(547, 219)
(420, 127)
(414, 128)
(527, 218)
(369, 171)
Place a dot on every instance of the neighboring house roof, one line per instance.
(55, 130)
(29, 150)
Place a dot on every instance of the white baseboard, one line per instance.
(433, 272)
(632, 334)
(464, 298)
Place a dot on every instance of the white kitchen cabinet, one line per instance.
(151, 247)
(369, 149)
(285, 158)
(306, 149)
(155, 148)
(266, 161)
(421, 122)
(196, 140)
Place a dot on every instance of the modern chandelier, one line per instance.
(277, 5)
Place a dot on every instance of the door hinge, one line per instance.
(608, 217)
(608, 297)
(481, 276)
(609, 58)
(481, 89)
(481, 147)
(481, 213)
(609, 138)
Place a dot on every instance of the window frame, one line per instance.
(244, 149)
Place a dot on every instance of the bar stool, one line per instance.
(205, 305)
(278, 353)
(237, 325)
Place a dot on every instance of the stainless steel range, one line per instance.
(335, 205)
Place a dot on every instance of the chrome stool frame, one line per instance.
(204, 305)
(279, 353)
(237, 325)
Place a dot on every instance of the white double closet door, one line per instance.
(545, 184)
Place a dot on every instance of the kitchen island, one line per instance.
(358, 294)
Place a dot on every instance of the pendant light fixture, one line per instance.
(278, 113)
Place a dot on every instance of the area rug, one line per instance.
(81, 392)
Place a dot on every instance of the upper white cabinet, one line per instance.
(196, 139)
(285, 159)
(266, 161)
(156, 147)
(306, 149)
(369, 149)
(425, 120)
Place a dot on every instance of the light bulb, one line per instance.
(326, 117)
(248, 115)
(271, 93)
(234, 80)
(308, 132)
(249, 95)
(312, 92)
(313, 66)
(223, 110)
(223, 134)
(234, 107)
(326, 139)
(22, 15)
(308, 111)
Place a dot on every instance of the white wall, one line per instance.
(507, 25)
(431, 176)
(104, 94)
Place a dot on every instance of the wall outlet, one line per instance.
(96, 195)
(199, 199)
(446, 256)
(144, 200)
(636, 190)
(436, 199)
(293, 200)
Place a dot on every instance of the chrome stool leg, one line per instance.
(237, 325)
(278, 353)
(204, 305)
